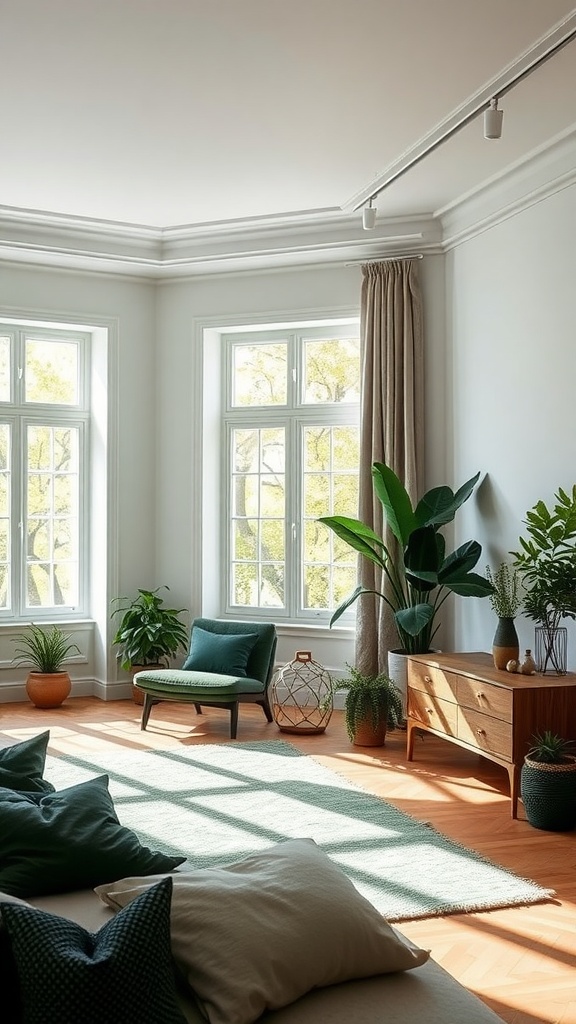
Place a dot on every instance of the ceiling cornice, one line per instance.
(325, 236)
(541, 174)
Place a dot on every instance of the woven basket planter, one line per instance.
(548, 792)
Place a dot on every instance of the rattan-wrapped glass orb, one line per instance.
(302, 696)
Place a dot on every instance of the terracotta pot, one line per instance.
(366, 736)
(48, 689)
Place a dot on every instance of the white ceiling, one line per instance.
(184, 112)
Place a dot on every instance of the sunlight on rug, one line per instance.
(218, 803)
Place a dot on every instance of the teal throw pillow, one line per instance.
(69, 840)
(121, 974)
(22, 765)
(224, 653)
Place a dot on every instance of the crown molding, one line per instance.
(305, 238)
(542, 173)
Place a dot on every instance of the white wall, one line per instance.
(183, 446)
(511, 380)
(160, 454)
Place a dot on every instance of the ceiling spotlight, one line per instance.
(369, 217)
(493, 120)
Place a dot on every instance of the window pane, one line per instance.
(331, 371)
(329, 564)
(4, 586)
(51, 372)
(5, 502)
(52, 516)
(245, 540)
(258, 517)
(4, 369)
(260, 374)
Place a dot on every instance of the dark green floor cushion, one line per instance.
(68, 840)
(201, 684)
(122, 973)
(22, 765)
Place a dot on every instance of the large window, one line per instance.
(292, 413)
(44, 412)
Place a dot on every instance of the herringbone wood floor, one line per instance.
(522, 961)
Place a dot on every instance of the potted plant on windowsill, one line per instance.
(373, 705)
(148, 633)
(547, 566)
(505, 601)
(418, 575)
(48, 683)
(548, 783)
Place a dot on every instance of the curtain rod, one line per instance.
(385, 259)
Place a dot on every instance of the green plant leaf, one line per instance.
(440, 505)
(414, 620)
(395, 501)
(357, 535)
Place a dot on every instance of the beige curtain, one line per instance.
(391, 425)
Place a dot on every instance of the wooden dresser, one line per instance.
(464, 699)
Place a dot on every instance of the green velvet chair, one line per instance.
(229, 663)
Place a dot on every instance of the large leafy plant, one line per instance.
(418, 574)
(546, 560)
(44, 650)
(148, 633)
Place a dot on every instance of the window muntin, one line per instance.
(43, 472)
(292, 455)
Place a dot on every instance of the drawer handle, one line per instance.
(481, 696)
(429, 711)
(481, 732)
(427, 679)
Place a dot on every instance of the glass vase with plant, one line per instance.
(546, 562)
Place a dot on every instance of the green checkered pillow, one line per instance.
(121, 974)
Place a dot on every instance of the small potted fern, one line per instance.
(45, 651)
(373, 705)
(548, 783)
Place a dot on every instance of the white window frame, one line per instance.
(294, 416)
(20, 414)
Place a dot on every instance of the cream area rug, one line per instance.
(218, 803)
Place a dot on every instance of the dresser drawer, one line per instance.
(433, 711)
(485, 733)
(482, 696)
(433, 681)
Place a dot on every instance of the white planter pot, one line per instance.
(398, 672)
